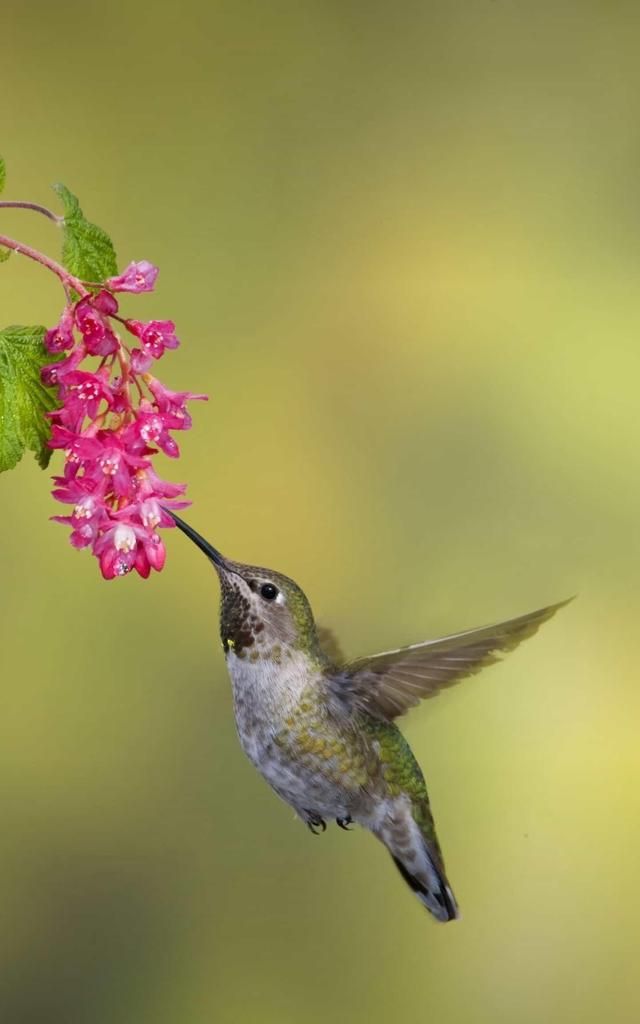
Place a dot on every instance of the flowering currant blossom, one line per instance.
(113, 420)
(138, 277)
(155, 336)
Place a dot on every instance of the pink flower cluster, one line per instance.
(111, 422)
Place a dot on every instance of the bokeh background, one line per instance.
(401, 243)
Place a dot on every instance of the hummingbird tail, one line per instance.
(418, 860)
(437, 898)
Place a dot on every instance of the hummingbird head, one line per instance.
(263, 613)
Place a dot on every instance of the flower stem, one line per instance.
(67, 279)
(21, 205)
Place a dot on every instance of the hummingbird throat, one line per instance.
(240, 627)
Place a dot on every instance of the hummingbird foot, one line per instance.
(315, 822)
(345, 822)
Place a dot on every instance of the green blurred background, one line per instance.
(401, 243)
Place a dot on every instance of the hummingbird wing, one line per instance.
(386, 685)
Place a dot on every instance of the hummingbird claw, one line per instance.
(345, 822)
(314, 822)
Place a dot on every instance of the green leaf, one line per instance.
(24, 399)
(4, 254)
(87, 250)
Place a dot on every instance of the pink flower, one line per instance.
(174, 402)
(76, 492)
(155, 552)
(60, 338)
(116, 464)
(138, 277)
(88, 516)
(98, 337)
(125, 546)
(151, 513)
(55, 373)
(113, 418)
(77, 448)
(116, 549)
(140, 361)
(84, 392)
(155, 336)
(148, 484)
(152, 427)
(105, 302)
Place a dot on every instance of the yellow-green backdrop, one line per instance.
(401, 243)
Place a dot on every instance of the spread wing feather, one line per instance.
(387, 684)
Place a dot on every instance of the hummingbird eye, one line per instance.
(268, 591)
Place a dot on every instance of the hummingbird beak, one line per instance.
(211, 552)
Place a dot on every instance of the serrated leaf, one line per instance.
(87, 250)
(24, 399)
(4, 254)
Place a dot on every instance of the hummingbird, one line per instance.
(322, 731)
